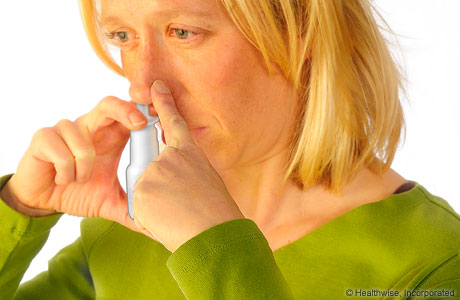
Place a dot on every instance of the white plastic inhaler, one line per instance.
(144, 148)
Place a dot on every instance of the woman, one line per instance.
(281, 120)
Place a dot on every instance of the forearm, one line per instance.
(21, 238)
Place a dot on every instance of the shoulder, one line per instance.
(414, 238)
(416, 219)
(429, 242)
(440, 222)
(442, 231)
(410, 230)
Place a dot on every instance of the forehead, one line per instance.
(159, 7)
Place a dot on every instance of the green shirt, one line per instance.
(406, 241)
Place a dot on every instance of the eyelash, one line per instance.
(113, 34)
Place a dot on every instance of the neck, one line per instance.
(255, 189)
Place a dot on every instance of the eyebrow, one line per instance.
(162, 14)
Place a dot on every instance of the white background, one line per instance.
(49, 72)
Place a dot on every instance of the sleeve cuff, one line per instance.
(231, 260)
(17, 223)
(192, 253)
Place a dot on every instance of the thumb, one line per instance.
(119, 213)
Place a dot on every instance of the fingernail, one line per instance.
(160, 87)
(136, 118)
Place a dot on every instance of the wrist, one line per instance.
(10, 199)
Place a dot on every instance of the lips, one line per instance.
(196, 131)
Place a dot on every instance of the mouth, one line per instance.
(197, 131)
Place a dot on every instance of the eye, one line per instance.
(122, 36)
(182, 33)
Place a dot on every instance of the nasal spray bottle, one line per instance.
(144, 148)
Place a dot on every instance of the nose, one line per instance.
(148, 66)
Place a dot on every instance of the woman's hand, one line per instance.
(180, 194)
(72, 167)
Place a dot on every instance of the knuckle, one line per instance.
(85, 153)
(81, 121)
(38, 133)
(42, 133)
(170, 154)
(160, 168)
(176, 120)
(154, 165)
(108, 102)
(104, 104)
(113, 105)
(64, 162)
(159, 165)
(63, 122)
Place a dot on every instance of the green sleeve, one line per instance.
(443, 279)
(231, 260)
(68, 277)
(21, 238)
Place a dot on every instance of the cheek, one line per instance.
(231, 83)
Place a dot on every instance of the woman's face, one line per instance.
(218, 79)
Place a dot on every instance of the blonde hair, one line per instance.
(339, 63)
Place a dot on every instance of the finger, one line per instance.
(81, 147)
(111, 109)
(174, 126)
(118, 212)
(47, 145)
(152, 110)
